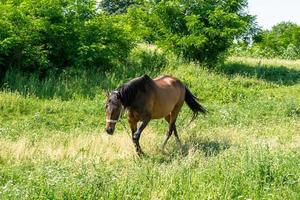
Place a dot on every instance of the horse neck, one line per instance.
(130, 90)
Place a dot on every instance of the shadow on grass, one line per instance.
(207, 148)
(280, 75)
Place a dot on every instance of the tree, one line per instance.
(116, 6)
(200, 30)
(38, 36)
(283, 40)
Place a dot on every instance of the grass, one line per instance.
(53, 144)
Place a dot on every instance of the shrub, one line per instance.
(147, 59)
(197, 30)
(42, 36)
(291, 52)
(105, 42)
(282, 41)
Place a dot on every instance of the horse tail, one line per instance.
(193, 104)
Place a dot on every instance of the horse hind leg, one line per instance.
(174, 115)
(176, 135)
(172, 125)
(168, 133)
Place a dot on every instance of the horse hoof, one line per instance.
(136, 137)
(163, 151)
(140, 153)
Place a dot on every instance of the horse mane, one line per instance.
(128, 91)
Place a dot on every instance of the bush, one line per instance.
(147, 59)
(38, 36)
(245, 50)
(197, 30)
(282, 41)
(291, 52)
(105, 42)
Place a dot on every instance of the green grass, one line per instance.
(53, 144)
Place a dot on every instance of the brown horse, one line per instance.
(145, 99)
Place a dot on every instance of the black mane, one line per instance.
(128, 91)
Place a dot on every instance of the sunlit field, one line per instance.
(53, 143)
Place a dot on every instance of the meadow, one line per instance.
(53, 144)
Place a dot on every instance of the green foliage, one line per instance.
(52, 139)
(105, 42)
(43, 35)
(142, 60)
(147, 58)
(291, 52)
(197, 30)
(55, 147)
(282, 41)
(117, 6)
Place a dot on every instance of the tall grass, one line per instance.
(52, 143)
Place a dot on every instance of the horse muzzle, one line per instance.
(109, 130)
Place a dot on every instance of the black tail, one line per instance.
(193, 104)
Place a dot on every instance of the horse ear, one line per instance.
(146, 76)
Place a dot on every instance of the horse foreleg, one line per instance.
(133, 127)
(137, 134)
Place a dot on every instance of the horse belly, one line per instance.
(164, 105)
(162, 111)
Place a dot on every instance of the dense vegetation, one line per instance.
(282, 41)
(53, 144)
(43, 36)
(58, 58)
(197, 30)
(37, 36)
